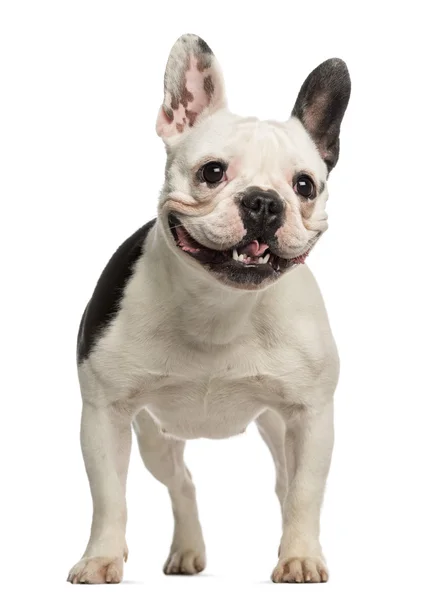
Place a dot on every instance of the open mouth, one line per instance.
(253, 260)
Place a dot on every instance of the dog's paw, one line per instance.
(300, 570)
(185, 562)
(97, 570)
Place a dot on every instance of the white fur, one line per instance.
(188, 356)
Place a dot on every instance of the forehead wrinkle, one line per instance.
(223, 137)
(267, 151)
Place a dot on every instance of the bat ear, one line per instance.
(321, 104)
(193, 87)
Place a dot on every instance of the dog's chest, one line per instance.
(212, 407)
(214, 393)
(210, 380)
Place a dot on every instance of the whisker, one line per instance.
(174, 227)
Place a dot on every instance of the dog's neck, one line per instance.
(208, 311)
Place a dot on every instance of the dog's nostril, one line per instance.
(253, 202)
(275, 206)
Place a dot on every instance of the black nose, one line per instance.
(263, 202)
(262, 206)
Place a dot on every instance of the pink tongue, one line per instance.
(253, 249)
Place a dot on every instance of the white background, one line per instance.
(80, 170)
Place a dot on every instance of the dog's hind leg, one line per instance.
(272, 430)
(164, 458)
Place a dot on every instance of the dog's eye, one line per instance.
(213, 172)
(304, 186)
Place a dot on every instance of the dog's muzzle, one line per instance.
(254, 261)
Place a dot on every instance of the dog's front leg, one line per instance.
(106, 443)
(308, 446)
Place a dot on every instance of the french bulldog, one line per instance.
(207, 318)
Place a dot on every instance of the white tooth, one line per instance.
(242, 257)
(260, 260)
(235, 254)
(266, 258)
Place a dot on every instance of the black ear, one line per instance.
(321, 104)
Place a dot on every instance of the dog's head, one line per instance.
(244, 200)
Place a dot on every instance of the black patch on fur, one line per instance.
(321, 104)
(105, 301)
(204, 47)
(209, 87)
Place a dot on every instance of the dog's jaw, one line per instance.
(250, 266)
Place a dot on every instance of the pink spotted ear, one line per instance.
(193, 86)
